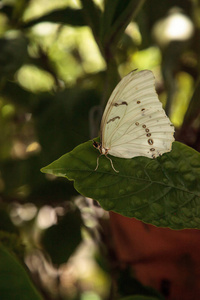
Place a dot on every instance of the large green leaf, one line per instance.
(164, 191)
(14, 281)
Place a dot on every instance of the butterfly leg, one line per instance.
(111, 163)
(97, 162)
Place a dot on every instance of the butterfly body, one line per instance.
(101, 149)
(134, 122)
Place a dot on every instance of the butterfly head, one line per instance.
(101, 149)
(97, 145)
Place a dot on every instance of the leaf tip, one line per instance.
(45, 170)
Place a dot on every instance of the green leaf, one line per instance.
(68, 15)
(116, 17)
(191, 114)
(92, 15)
(164, 191)
(7, 9)
(12, 55)
(14, 281)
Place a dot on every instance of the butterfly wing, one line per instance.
(134, 122)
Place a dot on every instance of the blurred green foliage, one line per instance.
(59, 62)
(14, 279)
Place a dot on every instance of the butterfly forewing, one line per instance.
(134, 122)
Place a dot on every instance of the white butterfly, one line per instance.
(134, 122)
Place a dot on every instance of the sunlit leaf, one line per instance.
(35, 79)
(163, 192)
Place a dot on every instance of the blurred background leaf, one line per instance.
(22, 287)
(68, 16)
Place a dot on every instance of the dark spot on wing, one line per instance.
(150, 141)
(137, 124)
(113, 119)
(138, 102)
(122, 103)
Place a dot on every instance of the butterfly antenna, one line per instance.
(112, 164)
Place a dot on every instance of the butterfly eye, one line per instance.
(95, 144)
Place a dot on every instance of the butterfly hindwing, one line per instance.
(134, 122)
